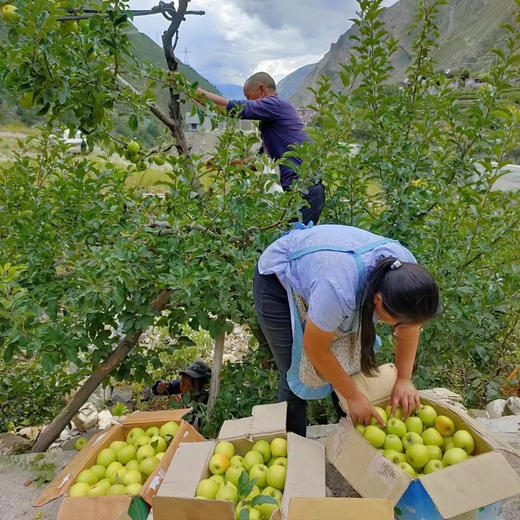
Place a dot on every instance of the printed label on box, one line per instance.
(385, 471)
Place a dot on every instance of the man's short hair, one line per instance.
(260, 78)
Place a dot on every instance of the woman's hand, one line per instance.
(162, 387)
(361, 409)
(405, 394)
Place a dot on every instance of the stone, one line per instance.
(100, 397)
(11, 444)
(106, 419)
(30, 432)
(86, 417)
(513, 405)
(496, 408)
(121, 395)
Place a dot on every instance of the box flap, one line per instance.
(62, 482)
(185, 434)
(371, 474)
(158, 415)
(474, 483)
(88, 508)
(340, 509)
(265, 420)
(167, 508)
(186, 469)
(305, 470)
(376, 388)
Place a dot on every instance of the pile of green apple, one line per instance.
(122, 468)
(266, 462)
(422, 443)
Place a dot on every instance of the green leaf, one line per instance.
(244, 486)
(133, 123)
(263, 499)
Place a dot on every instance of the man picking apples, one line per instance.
(348, 279)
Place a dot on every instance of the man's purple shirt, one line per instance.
(280, 127)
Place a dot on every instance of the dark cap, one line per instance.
(197, 370)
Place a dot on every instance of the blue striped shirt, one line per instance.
(328, 280)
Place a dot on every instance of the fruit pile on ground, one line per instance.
(422, 443)
(122, 468)
(254, 482)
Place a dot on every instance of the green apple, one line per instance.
(134, 433)
(158, 444)
(413, 424)
(404, 466)
(433, 465)
(463, 439)
(206, 488)
(381, 413)
(125, 454)
(88, 476)
(144, 452)
(435, 452)
(375, 436)
(152, 431)
(454, 456)
(226, 448)
(233, 474)
(251, 458)
(99, 470)
(133, 489)
(159, 159)
(395, 426)
(236, 460)
(219, 479)
(279, 447)
(116, 489)
(398, 413)
(117, 477)
(218, 464)
(133, 464)
(427, 414)
(264, 448)
(447, 443)
(227, 492)
(168, 430)
(411, 438)
(417, 456)
(445, 425)
(131, 476)
(97, 490)
(116, 445)
(360, 428)
(393, 442)
(276, 476)
(112, 469)
(105, 482)
(266, 510)
(141, 440)
(259, 471)
(160, 455)
(68, 26)
(282, 461)
(254, 514)
(148, 465)
(253, 494)
(432, 437)
(105, 457)
(80, 489)
(9, 14)
(134, 147)
(80, 443)
(271, 491)
(395, 456)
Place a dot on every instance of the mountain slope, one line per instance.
(291, 83)
(469, 29)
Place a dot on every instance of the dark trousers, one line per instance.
(315, 196)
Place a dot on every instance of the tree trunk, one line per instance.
(218, 354)
(53, 430)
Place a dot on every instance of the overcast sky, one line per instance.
(238, 37)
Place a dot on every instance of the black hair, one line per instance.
(409, 293)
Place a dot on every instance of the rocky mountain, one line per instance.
(469, 29)
(290, 84)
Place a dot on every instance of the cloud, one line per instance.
(238, 37)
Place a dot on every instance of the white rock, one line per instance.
(513, 404)
(496, 408)
(86, 417)
(106, 419)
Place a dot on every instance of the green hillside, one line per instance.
(468, 29)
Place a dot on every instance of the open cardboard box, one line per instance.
(305, 467)
(108, 507)
(340, 509)
(471, 489)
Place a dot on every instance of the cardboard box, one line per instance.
(341, 509)
(305, 467)
(471, 489)
(106, 507)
